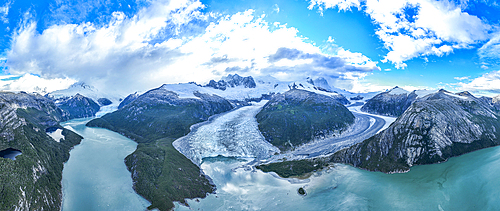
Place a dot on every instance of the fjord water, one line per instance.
(468, 182)
(95, 176)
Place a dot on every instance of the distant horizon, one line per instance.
(6, 77)
(356, 45)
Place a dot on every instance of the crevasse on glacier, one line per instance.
(233, 134)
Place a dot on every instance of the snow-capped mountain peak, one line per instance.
(398, 91)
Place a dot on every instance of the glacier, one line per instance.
(232, 134)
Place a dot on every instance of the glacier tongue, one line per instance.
(233, 134)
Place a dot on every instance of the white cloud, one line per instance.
(461, 78)
(411, 88)
(114, 57)
(119, 56)
(488, 83)
(364, 87)
(4, 11)
(276, 8)
(491, 50)
(330, 39)
(437, 27)
(33, 83)
(341, 4)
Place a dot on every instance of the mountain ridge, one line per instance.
(433, 129)
(154, 120)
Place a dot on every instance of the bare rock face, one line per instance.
(79, 106)
(232, 81)
(104, 101)
(391, 103)
(128, 99)
(495, 102)
(433, 129)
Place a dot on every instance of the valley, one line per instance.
(192, 147)
(163, 105)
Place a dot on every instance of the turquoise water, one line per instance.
(468, 182)
(95, 176)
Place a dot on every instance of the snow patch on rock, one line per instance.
(56, 135)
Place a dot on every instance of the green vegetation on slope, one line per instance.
(33, 180)
(297, 117)
(164, 175)
(155, 119)
(295, 168)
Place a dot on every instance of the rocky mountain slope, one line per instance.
(155, 119)
(433, 129)
(232, 81)
(391, 103)
(243, 89)
(33, 180)
(128, 99)
(78, 106)
(298, 116)
(492, 101)
(88, 91)
(104, 101)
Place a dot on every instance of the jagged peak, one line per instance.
(163, 86)
(231, 81)
(465, 94)
(78, 96)
(322, 83)
(445, 94)
(82, 85)
(423, 92)
(397, 91)
(496, 99)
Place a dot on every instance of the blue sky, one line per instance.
(357, 45)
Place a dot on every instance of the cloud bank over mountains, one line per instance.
(181, 41)
(151, 48)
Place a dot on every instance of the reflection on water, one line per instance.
(95, 176)
(468, 182)
(10, 153)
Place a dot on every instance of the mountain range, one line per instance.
(430, 127)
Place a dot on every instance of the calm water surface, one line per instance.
(95, 176)
(10, 153)
(468, 182)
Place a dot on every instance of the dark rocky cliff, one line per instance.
(79, 106)
(232, 81)
(128, 99)
(433, 129)
(391, 103)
